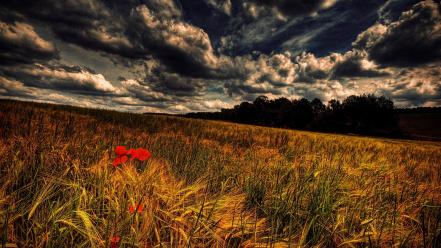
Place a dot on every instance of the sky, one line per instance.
(178, 56)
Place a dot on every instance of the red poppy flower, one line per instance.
(140, 154)
(114, 241)
(122, 155)
(131, 152)
(120, 160)
(137, 207)
(120, 151)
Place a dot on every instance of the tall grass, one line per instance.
(208, 184)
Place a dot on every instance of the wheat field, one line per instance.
(208, 184)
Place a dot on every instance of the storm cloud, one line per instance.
(414, 39)
(175, 56)
(19, 43)
(65, 78)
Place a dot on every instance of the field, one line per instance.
(208, 184)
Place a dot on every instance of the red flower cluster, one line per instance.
(135, 208)
(114, 241)
(122, 155)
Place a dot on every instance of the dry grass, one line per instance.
(208, 184)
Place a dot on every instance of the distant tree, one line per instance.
(317, 106)
(364, 114)
(281, 109)
(368, 113)
(245, 112)
(334, 105)
(302, 113)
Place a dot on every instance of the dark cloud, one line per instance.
(310, 68)
(336, 66)
(184, 48)
(178, 56)
(64, 78)
(14, 88)
(419, 86)
(246, 89)
(414, 39)
(143, 92)
(88, 23)
(355, 64)
(278, 70)
(171, 83)
(69, 12)
(132, 30)
(19, 43)
(281, 74)
(391, 10)
(331, 30)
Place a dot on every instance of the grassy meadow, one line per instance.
(208, 184)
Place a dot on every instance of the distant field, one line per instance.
(421, 125)
(208, 184)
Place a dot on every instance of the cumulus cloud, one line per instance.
(277, 70)
(184, 48)
(64, 78)
(175, 63)
(11, 87)
(133, 30)
(414, 39)
(127, 100)
(284, 69)
(305, 75)
(355, 64)
(100, 38)
(414, 86)
(14, 89)
(198, 105)
(19, 43)
(245, 36)
(310, 68)
(174, 84)
(91, 24)
(251, 89)
(326, 90)
(159, 78)
(352, 64)
(143, 92)
(264, 74)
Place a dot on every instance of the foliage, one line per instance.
(365, 114)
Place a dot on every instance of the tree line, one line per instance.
(363, 114)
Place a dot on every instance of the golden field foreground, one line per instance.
(208, 184)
